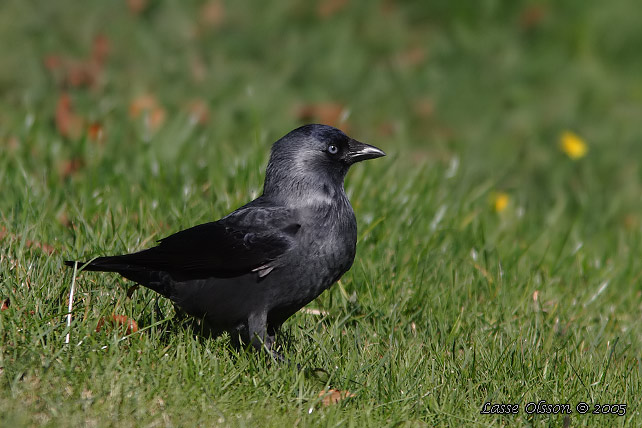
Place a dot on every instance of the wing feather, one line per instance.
(251, 239)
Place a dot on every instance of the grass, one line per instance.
(449, 304)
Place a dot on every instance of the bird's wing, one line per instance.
(251, 239)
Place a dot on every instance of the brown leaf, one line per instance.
(532, 16)
(413, 56)
(137, 6)
(80, 72)
(96, 132)
(68, 123)
(631, 221)
(46, 248)
(63, 218)
(388, 7)
(140, 104)
(132, 326)
(199, 69)
(333, 396)
(326, 113)
(29, 243)
(13, 143)
(148, 107)
(100, 49)
(327, 8)
(199, 111)
(53, 62)
(5, 304)
(424, 108)
(212, 13)
(118, 321)
(386, 128)
(70, 167)
(155, 119)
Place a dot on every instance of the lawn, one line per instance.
(500, 241)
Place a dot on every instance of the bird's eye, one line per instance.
(333, 150)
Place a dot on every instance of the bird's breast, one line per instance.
(328, 240)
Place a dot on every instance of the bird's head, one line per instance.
(313, 156)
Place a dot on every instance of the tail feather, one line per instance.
(101, 264)
(158, 281)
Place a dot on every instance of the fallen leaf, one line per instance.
(327, 8)
(199, 111)
(13, 143)
(81, 72)
(46, 248)
(532, 16)
(327, 113)
(412, 56)
(212, 13)
(100, 49)
(68, 123)
(386, 128)
(70, 167)
(147, 106)
(388, 7)
(5, 304)
(631, 221)
(53, 62)
(155, 118)
(117, 321)
(424, 108)
(137, 6)
(199, 69)
(333, 396)
(141, 104)
(63, 219)
(29, 243)
(96, 132)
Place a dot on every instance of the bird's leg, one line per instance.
(257, 331)
(260, 338)
(271, 337)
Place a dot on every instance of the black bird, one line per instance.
(254, 268)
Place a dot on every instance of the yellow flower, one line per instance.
(500, 201)
(573, 145)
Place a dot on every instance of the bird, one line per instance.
(248, 272)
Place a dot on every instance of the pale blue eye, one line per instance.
(333, 150)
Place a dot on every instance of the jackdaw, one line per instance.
(251, 270)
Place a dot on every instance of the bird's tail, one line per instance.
(156, 280)
(100, 264)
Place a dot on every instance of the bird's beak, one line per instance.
(360, 151)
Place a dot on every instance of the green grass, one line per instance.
(437, 315)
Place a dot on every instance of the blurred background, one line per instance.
(532, 105)
(480, 78)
